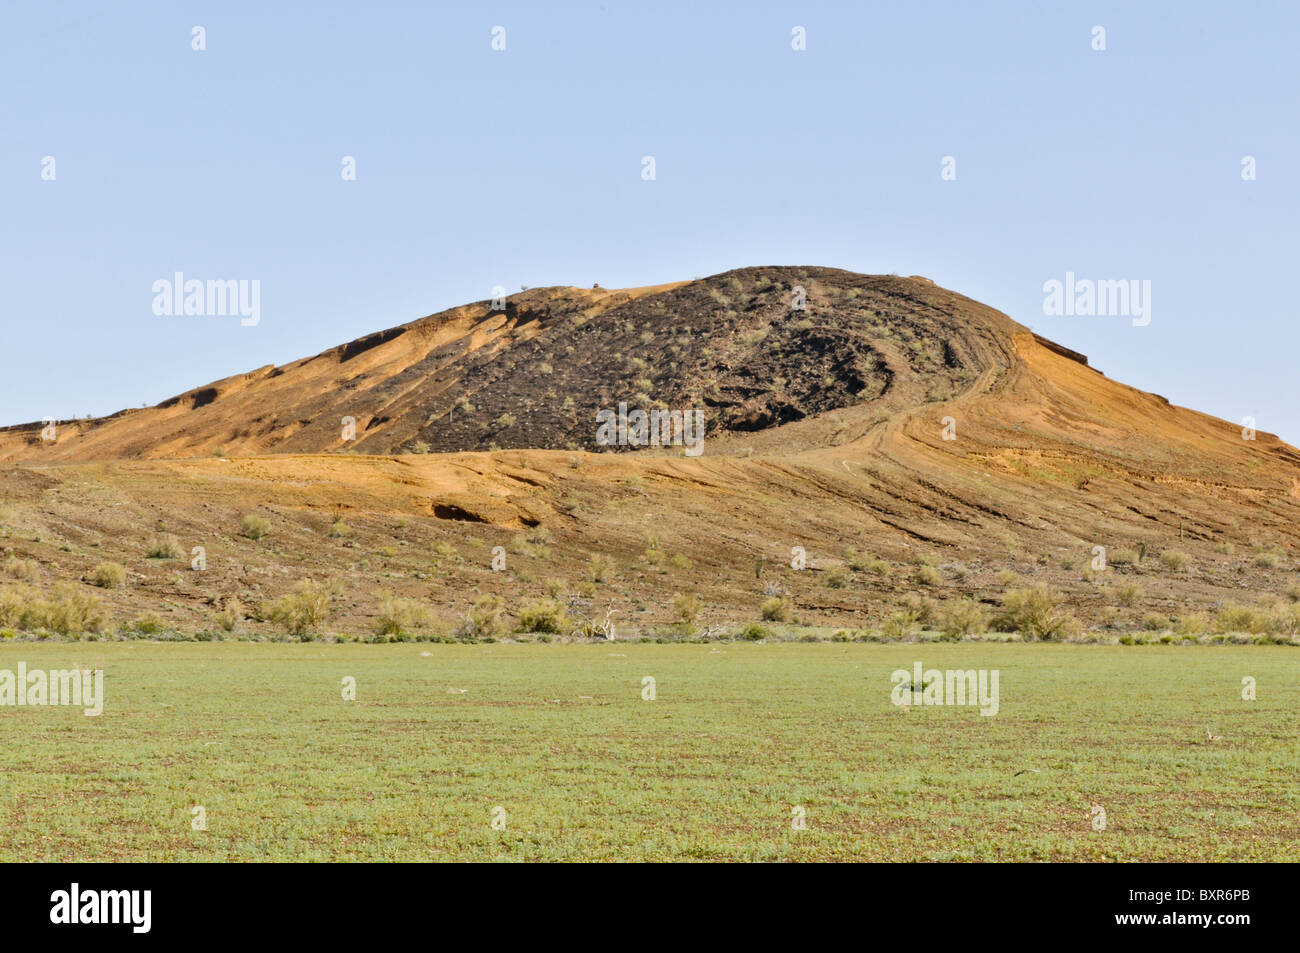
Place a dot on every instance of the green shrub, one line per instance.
(837, 577)
(1122, 557)
(1154, 622)
(753, 632)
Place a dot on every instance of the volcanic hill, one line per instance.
(886, 417)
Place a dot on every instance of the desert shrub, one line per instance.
(922, 608)
(484, 620)
(1266, 559)
(556, 588)
(1284, 619)
(902, 624)
(1128, 595)
(1006, 577)
(544, 615)
(753, 632)
(865, 562)
(148, 624)
(253, 526)
(1154, 622)
(776, 610)
(229, 615)
(72, 611)
(504, 421)
(1122, 557)
(443, 554)
(680, 562)
(927, 576)
(1174, 559)
(302, 610)
(20, 607)
(164, 547)
(1233, 617)
(959, 617)
(339, 529)
(837, 577)
(599, 568)
(26, 570)
(1192, 625)
(399, 617)
(687, 607)
(653, 558)
(108, 576)
(1034, 612)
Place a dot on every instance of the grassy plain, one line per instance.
(737, 737)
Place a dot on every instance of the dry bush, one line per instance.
(108, 576)
(776, 610)
(599, 568)
(1035, 612)
(1174, 559)
(687, 607)
(253, 526)
(164, 547)
(959, 617)
(400, 618)
(484, 620)
(301, 611)
(926, 575)
(837, 577)
(1233, 617)
(25, 570)
(544, 615)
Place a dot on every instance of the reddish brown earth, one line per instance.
(825, 430)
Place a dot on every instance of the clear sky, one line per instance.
(477, 168)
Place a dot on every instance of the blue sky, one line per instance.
(478, 168)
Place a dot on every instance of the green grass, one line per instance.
(739, 734)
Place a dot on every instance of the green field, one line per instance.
(738, 736)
